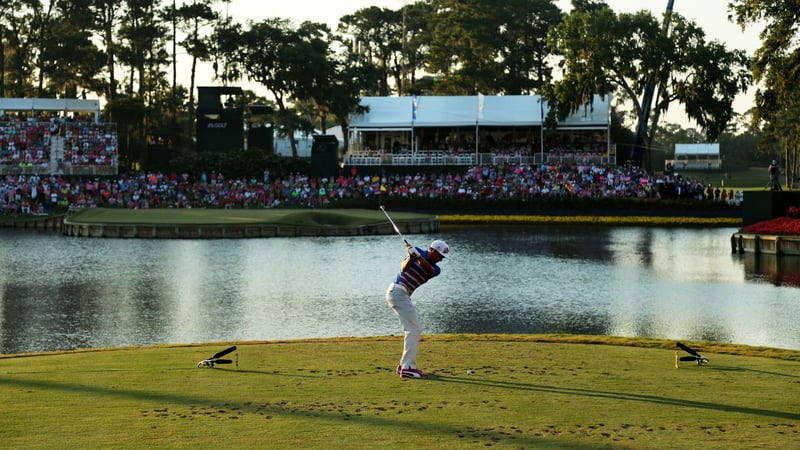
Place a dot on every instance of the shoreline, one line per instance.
(237, 231)
(231, 224)
(237, 224)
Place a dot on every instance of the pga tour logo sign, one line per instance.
(218, 125)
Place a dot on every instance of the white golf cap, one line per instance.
(441, 247)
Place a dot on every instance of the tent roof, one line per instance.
(588, 116)
(697, 149)
(401, 113)
(384, 112)
(511, 110)
(48, 104)
(439, 111)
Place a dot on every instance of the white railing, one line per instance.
(408, 159)
(59, 169)
(437, 158)
(695, 164)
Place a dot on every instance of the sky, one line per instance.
(710, 15)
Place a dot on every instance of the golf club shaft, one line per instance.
(396, 229)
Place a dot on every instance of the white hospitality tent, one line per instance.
(392, 113)
(393, 116)
(697, 156)
(65, 105)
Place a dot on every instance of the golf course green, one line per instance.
(485, 391)
(240, 223)
(277, 216)
(265, 223)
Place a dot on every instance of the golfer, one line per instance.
(418, 268)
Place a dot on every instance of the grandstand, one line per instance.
(45, 136)
(476, 130)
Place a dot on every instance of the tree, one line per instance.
(42, 25)
(193, 19)
(464, 40)
(414, 48)
(143, 36)
(290, 63)
(106, 22)
(18, 42)
(392, 43)
(605, 53)
(377, 38)
(316, 82)
(523, 32)
(142, 41)
(775, 65)
(778, 108)
(69, 60)
(490, 47)
(737, 149)
(353, 77)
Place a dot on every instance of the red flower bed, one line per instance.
(780, 225)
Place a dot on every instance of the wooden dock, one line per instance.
(765, 244)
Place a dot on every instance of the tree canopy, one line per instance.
(776, 69)
(127, 51)
(603, 52)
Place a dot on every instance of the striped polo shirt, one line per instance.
(416, 276)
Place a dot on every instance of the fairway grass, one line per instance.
(298, 217)
(525, 391)
(353, 218)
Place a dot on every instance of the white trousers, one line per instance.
(398, 299)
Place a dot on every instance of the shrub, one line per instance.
(780, 225)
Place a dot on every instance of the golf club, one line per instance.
(394, 225)
(411, 249)
(215, 358)
(697, 357)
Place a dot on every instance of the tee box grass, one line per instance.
(498, 391)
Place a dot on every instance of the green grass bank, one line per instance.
(372, 220)
(525, 391)
(279, 216)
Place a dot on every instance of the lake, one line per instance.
(60, 292)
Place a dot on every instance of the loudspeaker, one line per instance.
(325, 156)
(261, 137)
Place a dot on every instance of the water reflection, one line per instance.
(64, 293)
(780, 271)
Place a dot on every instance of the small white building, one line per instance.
(305, 142)
(696, 157)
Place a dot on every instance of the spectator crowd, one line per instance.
(39, 194)
(35, 141)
